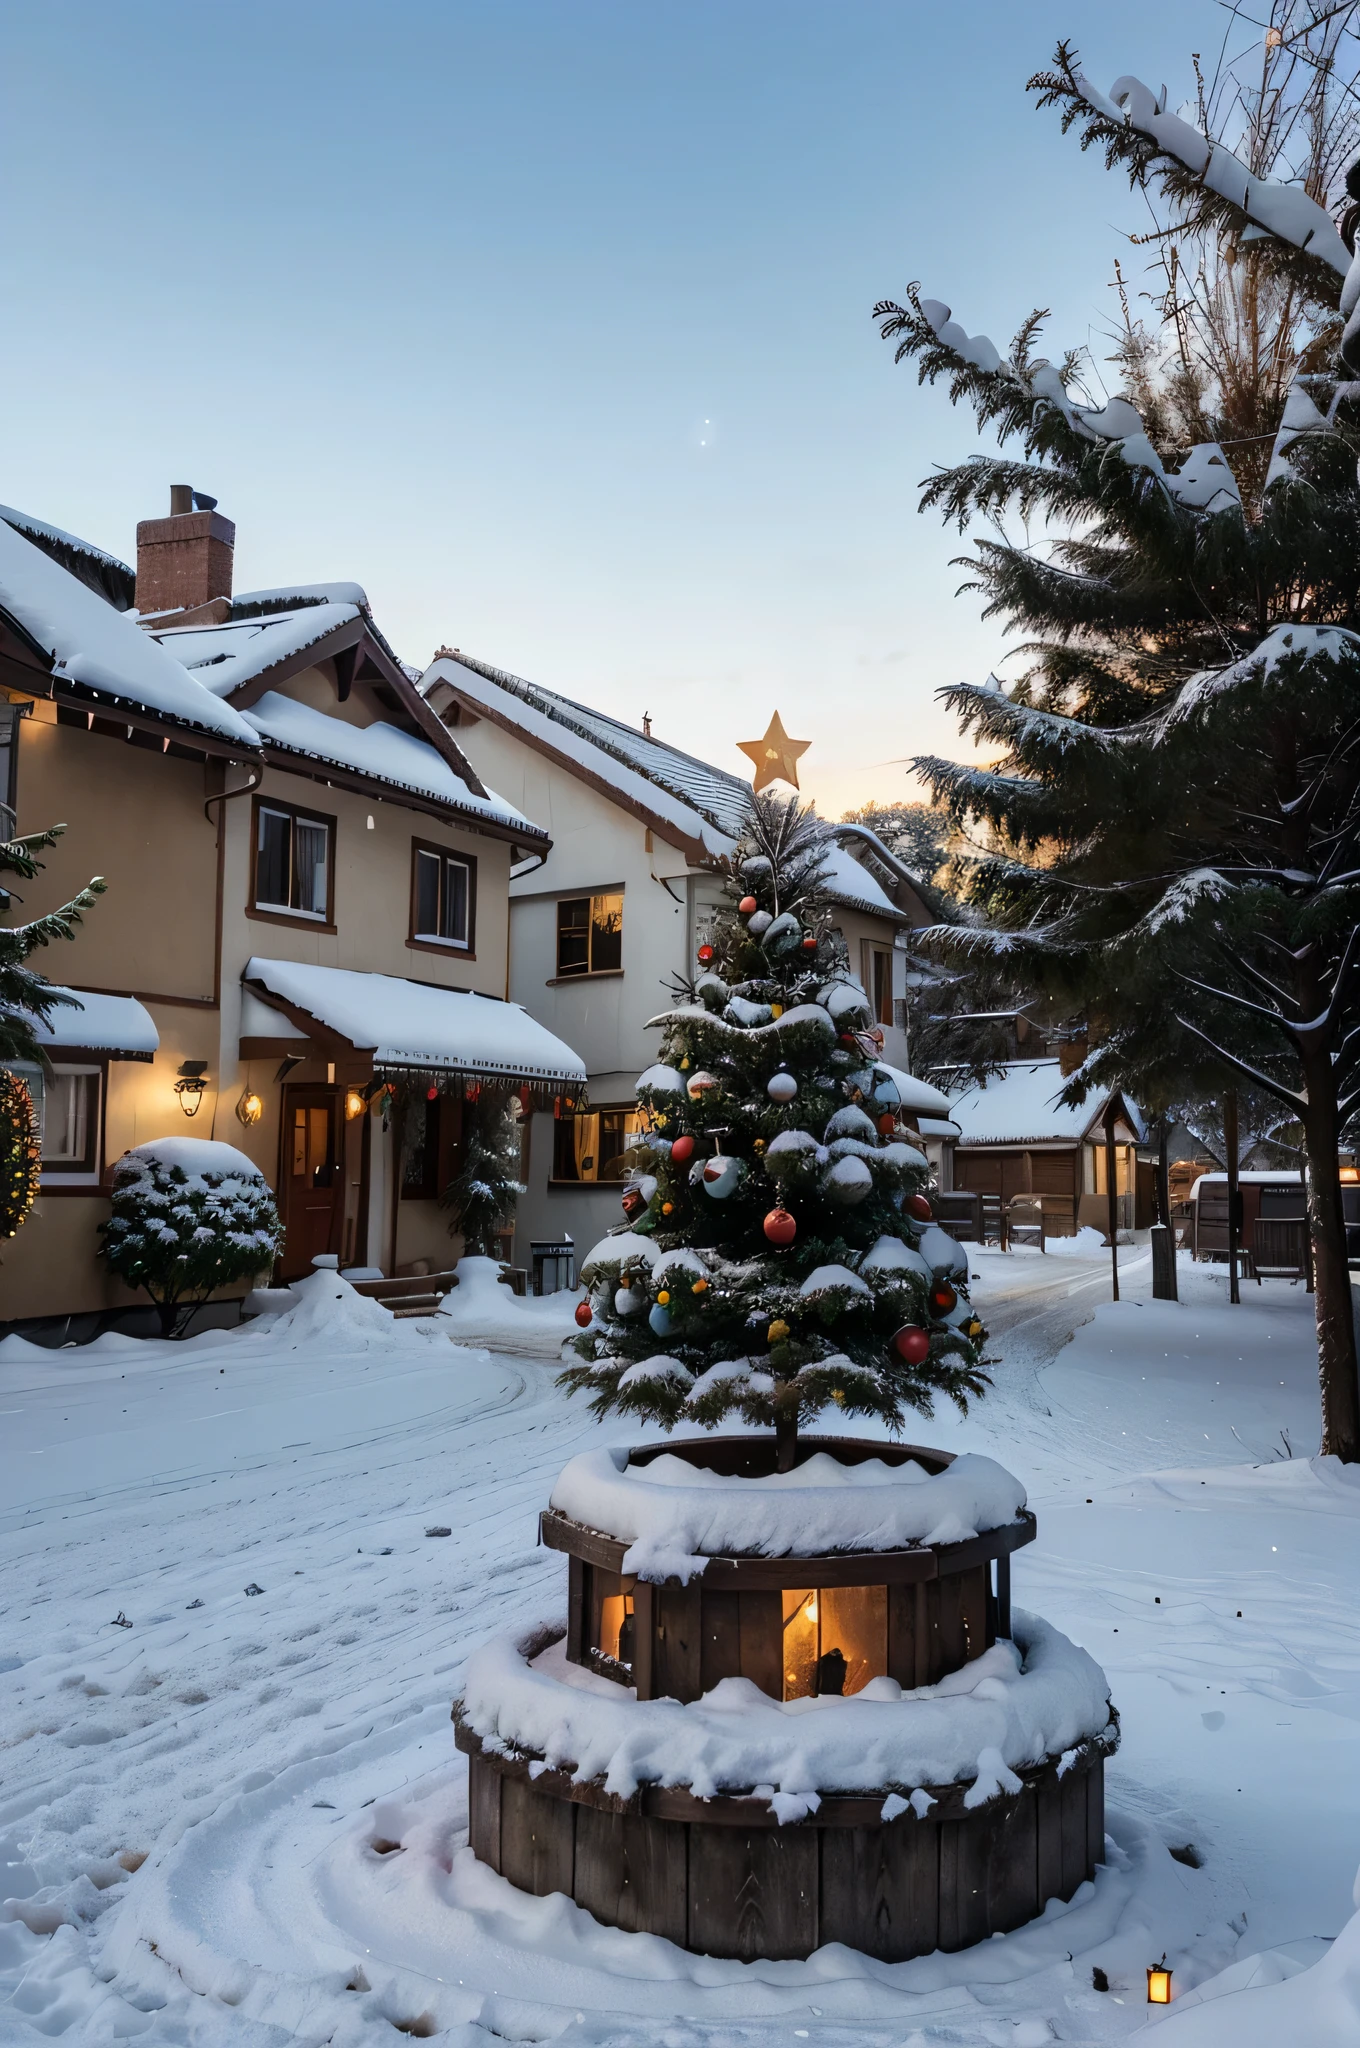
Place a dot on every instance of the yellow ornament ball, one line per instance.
(758, 1146)
(838, 1396)
(664, 1296)
(666, 1208)
(776, 1009)
(684, 1066)
(779, 1330)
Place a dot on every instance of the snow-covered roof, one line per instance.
(1020, 1105)
(697, 802)
(936, 1127)
(919, 1096)
(407, 1024)
(288, 595)
(103, 651)
(104, 572)
(224, 658)
(850, 882)
(381, 751)
(113, 1024)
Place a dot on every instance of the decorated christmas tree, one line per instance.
(780, 1252)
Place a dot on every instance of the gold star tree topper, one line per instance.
(776, 756)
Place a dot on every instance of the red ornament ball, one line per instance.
(432, 1095)
(682, 1150)
(919, 1207)
(911, 1344)
(747, 905)
(780, 1227)
(809, 945)
(585, 1315)
(705, 954)
(942, 1297)
(633, 1202)
(887, 1124)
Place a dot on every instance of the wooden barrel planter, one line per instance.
(721, 1875)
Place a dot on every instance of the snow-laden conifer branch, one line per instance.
(1157, 148)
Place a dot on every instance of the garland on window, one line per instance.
(20, 1156)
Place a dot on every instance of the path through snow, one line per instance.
(262, 1750)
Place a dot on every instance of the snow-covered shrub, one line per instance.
(189, 1216)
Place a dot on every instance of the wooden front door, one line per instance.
(313, 1181)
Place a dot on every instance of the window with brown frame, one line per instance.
(293, 867)
(443, 898)
(592, 1144)
(878, 961)
(589, 935)
(71, 1102)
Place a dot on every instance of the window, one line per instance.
(70, 1122)
(443, 897)
(589, 935)
(292, 862)
(878, 981)
(590, 1145)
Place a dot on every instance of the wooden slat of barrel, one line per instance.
(1075, 1861)
(538, 1838)
(973, 1604)
(1013, 1866)
(677, 1656)
(964, 1859)
(762, 1641)
(902, 1635)
(632, 1873)
(1095, 1817)
(720, 1642)
(1048, 1822)
(753, 1895)
(484, 1811)
(881, 1889)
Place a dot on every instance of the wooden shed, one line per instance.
(1016, 1140)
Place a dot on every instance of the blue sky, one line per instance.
(549, 323)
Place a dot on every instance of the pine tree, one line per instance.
(781, 1254)
(1180, 857)
(25, 995)
(483, 1193)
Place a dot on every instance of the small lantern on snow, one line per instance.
(1159, 1983)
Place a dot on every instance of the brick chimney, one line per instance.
(184, 562)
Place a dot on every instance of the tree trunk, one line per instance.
(168, 1311)
(1332, 1300)
(785, 1430)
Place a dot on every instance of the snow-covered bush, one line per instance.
(189, 1216)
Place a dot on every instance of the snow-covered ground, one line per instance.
(198, 1810)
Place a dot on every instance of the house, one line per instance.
(1016, 1139)
(304, 945)
(604, 920)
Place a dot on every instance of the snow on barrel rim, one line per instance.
(674, 1516)
(1017, 1704)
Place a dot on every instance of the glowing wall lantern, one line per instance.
(250, 1108)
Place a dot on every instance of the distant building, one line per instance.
(1016, 1140)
